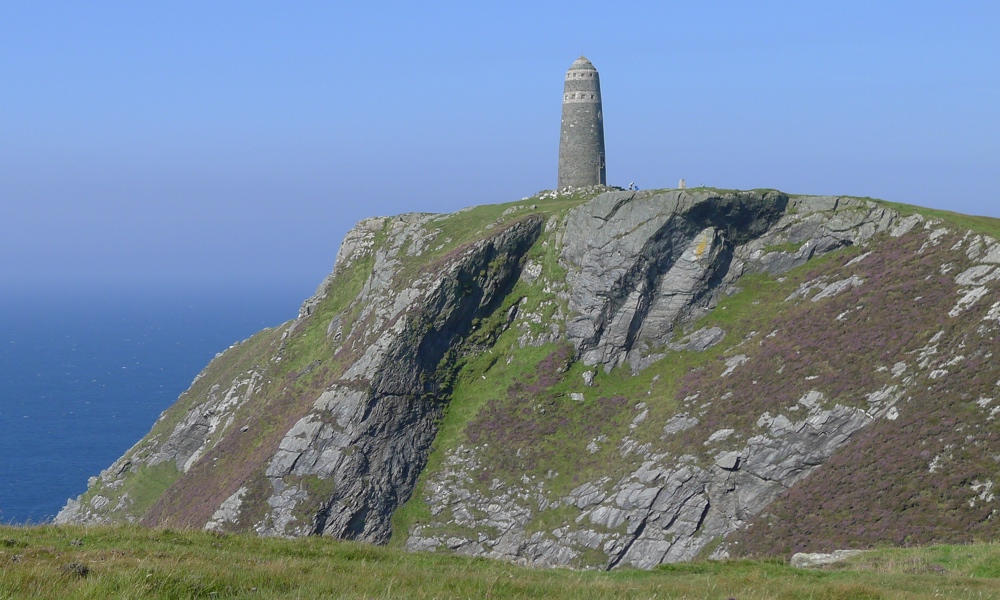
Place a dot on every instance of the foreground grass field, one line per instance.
(133, 562)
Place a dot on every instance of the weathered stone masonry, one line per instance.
(581, 141)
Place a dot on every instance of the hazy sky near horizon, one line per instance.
(234, 143)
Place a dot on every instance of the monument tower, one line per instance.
(581, 140)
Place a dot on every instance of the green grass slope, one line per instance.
(132, 562)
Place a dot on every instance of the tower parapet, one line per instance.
(581, 139)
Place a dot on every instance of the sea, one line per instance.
(85, 374)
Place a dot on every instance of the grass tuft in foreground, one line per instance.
(134, 562)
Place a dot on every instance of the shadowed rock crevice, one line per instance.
(380, 455)
(670, 255)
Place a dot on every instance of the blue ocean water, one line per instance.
(83, 376)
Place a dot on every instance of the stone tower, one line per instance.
(581, 140)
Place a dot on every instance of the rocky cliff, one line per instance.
(605, 379)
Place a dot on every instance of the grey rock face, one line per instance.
(369, 434)
(700, 340)
(804, 560)
(203, 424)
(640, 264)
(192, 435)
(228, 513)
(667, 510)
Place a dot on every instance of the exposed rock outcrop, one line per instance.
(803, 560)
(369, 434)
(639, 265)
(612, 379)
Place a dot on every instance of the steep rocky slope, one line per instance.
(605, 378)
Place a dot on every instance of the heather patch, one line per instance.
(241, 456)
(535, 427)
(290, 379)
(925, 473)
(131, 486)
(984, 225)
(839, 346)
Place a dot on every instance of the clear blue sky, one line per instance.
(203, 143)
